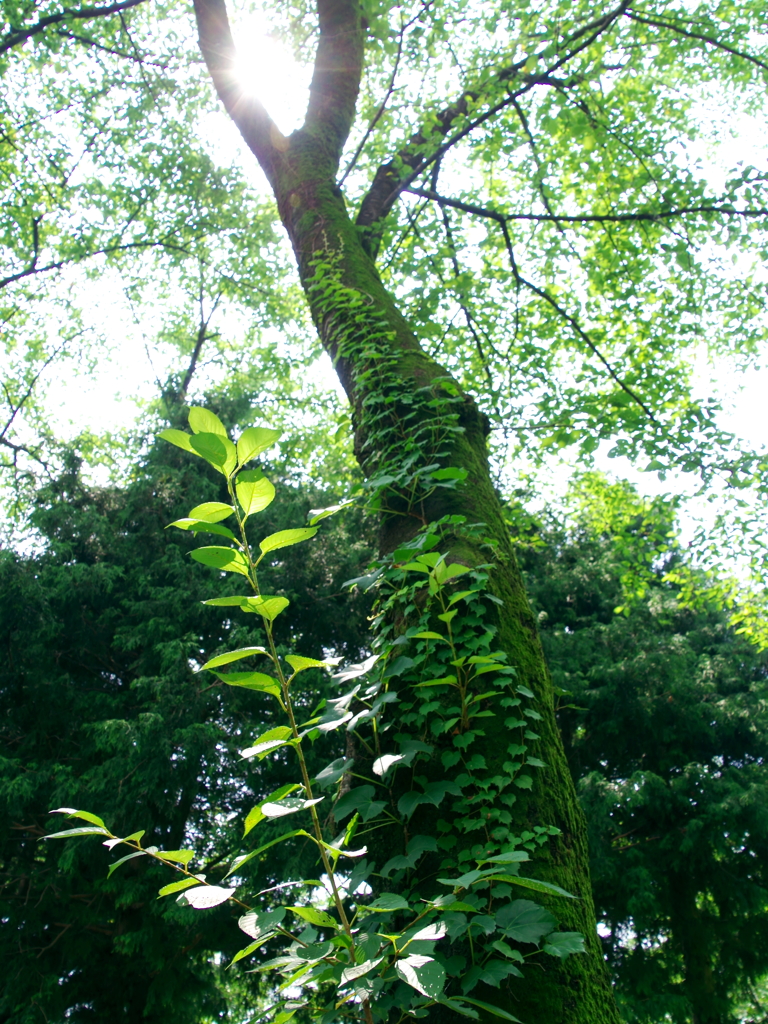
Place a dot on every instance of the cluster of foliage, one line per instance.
(101, 707)
(663, 713)
(379, 957)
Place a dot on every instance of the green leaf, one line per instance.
(239, 861)
(241, 652)
(267, 742)
(564, 944)
(177, 856)
(255, 440)
(179, 438)
(267, 607)
(85, 815)
(185, 883)
(290, 805)
(226, 559)
(450, 473)
(539, 886)
(211, 512)
(202, 421)
(298, 663)
(205, 897)
(428, 635)
(195, 526)
(318, 917)
(388, 902)
(228, 602)
(285, 538)
(316, 514)
(524, 921)
(334, 771)
(258, 924)
(251, 681)
(218, 451)
(77, 832)
(422, 973)
(510, 857)
(351, 973)
(254, 491)
(251, 948)
(129, 856)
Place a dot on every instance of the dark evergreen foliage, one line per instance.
(664, 721)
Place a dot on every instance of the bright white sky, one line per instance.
(114, 396)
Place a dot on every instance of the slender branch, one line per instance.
(382, 107)
(261, 134)
(87, 41)
(15, 408)
(32, 267)
(583, 218)
(202, 337)
(710, 40)
(21, 35)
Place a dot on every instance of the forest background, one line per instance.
(554, 234)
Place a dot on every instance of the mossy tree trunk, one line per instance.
(377, 354)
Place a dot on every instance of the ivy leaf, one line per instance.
(388, 902)
(564, 944)
(524, 921)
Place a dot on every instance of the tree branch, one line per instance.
(261, 134)
(501, 220)
(21, 35)
(582, 218)
(32, 268)
(336, 76)
(710, 40)
(421, 150)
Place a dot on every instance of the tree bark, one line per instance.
(362, 330)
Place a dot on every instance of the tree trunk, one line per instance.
(391, 383)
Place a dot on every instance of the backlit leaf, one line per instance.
(204, 421)
(226, 559)
(241, 652)
(255, 440)
(286, 538)
(254, 491)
